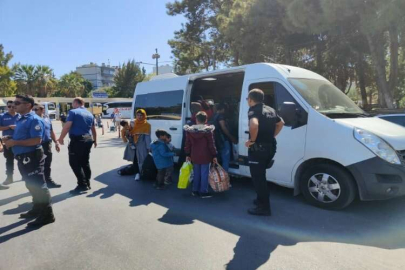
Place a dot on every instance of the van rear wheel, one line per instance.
(328, 186)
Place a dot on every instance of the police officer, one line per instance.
(7, 125)
(27, 149)
(82, 134)
(264, 126)
(2, 187)
(49, 136)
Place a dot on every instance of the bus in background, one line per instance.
(50, 109)
(124, 107)
(94, 108)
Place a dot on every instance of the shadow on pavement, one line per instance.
(5, 238)
(111, 143)
(375, 224)
(14, 198)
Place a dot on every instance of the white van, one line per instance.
(50, 109)
(329, 149)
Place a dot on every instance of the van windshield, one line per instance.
(326, 98)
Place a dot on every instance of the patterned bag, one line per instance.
(218, 178)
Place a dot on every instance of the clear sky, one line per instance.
(64, 34)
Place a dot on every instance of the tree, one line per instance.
(38, 81)
(71, 85)
(7, 86)
(126, 79)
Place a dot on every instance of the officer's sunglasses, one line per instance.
(10, 107)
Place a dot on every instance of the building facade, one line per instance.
(99, 76)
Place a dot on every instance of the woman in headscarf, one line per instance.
(142, 140)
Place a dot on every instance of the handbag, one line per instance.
(218, 178)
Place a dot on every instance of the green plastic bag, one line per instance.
(185, 174)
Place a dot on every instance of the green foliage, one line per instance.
(38, 81)
(73, 85)
(7, 86)
(126, 79)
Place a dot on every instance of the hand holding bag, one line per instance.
(218, 178)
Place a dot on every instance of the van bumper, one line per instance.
(378, 180)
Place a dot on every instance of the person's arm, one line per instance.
(94, 132)
(53, 136)
(123, 135)
(65, 131)
(211, 147)
(164, 153)
(253, 130)
(226, 131)
(3, 128)
(36, 132)
(187, 148)
(279, 127)
(29, 142)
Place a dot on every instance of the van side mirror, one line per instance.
(293, 115)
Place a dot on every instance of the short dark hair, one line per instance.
(123, 123)
(79, 100)
(27, 98)
(168, 135)
(201, 117)
(9, 102)
(256, 95)
(161, 132)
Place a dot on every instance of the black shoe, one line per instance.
(160, 187)
(205, 195)
(33, 213)
(52, 184)
(88, 184)
(259, 211)
(79, 189)
(3, 187)
(195, 194)
(9, 180)
(44, 219)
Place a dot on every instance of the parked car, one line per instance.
(329, 150)
(398, 119)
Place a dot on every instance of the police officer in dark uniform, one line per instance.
(49, 136)
(7, 125)
(82, 134)
(27, 149)
(264, 126)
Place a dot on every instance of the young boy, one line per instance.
(200, 149)
(163, 157)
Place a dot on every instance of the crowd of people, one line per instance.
(28, 136)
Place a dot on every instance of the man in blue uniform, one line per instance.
(82, 134)
(7, 125)
(264, 126)
(49, 136)
(27, 149)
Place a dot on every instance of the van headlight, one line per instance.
(377, 145)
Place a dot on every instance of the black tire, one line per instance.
(337, 190)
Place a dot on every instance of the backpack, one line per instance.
(149, 170)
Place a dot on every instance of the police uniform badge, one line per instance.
(37, 127)
(251, 113)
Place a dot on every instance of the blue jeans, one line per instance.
(200, 180)
(225, 155)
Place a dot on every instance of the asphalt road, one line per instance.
(123, 224)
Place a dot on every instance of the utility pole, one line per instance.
(156, 56)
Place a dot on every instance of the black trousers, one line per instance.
(47, 146)
(31, 167)
(259, 160)
(9, 156)
(79, 160)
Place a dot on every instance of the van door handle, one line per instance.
(173, 128)
(247, 132)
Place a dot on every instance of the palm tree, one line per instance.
(71, 85)
(26, 78)
(45, 80)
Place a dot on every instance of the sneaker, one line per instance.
(160, 187)
(52, 184)
(3, 187)
(88, 184)
(137, 177)
(259, 211)
(9, 180)
(79, 189)
(195, 194)
(205, 195)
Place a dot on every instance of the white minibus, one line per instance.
(329, 150)
(123, 107)
(50, 109)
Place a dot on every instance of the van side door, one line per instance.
(291, 140)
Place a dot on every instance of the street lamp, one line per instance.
(156, 56)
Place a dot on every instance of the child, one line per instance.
(162, 156)
(200, 149)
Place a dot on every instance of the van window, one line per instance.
(162, 105)
(268, 90)
(51, 106)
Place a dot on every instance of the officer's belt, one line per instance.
(81, 138)
(29, 154)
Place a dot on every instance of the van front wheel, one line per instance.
(328, 186)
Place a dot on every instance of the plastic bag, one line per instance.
(185, 174)
(218, 179)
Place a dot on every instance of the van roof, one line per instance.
(284, 71)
